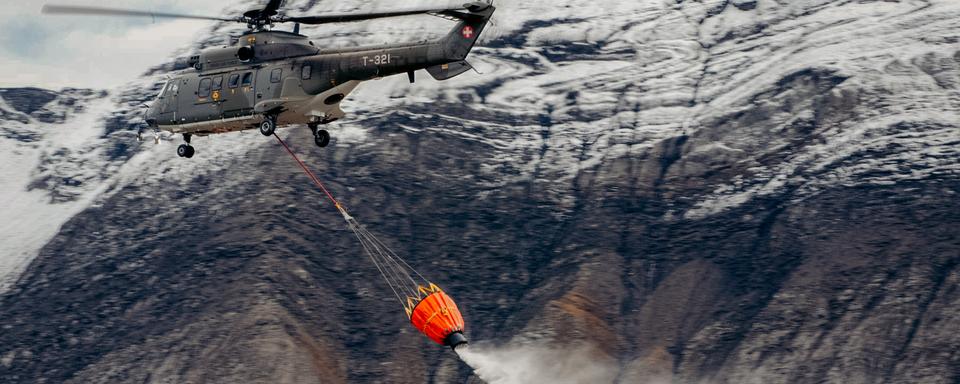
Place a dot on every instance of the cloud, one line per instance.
(92, 52)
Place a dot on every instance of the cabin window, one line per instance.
(217, 83)
(205, 85)
(275, 75)
(248, 79)
(306, 72)
(234, 80)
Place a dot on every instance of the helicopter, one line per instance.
(270, 78)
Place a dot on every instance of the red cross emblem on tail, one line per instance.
(467, 32)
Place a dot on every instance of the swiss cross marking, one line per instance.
(468, 32)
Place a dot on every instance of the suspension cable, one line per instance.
(394, 270)
(309, 173)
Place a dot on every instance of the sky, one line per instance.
(57, 51)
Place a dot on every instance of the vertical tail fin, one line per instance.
(458, 43)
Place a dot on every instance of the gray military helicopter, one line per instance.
(274, 78)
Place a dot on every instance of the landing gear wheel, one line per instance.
(322, 138)
(185, 150)
(268, 126)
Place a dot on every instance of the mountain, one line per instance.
(51, 166)
(686, 191)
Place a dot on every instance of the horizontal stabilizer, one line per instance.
(448, 71)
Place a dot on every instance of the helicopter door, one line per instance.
(186, 97)
(166, 102)
(238, 95)
(210, 98)
(271, 83)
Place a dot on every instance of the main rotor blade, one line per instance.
(346, 18)
(272, 7)
(267, 12)
(98, 11)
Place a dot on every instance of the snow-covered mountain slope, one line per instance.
(690, 191)
(51, 167)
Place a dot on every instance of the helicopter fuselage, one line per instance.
(283, 76)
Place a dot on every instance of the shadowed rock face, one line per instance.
(27, 100)
(261, 283)
(42, 105)
(709, 215)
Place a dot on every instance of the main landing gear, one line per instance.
(320, 136)
(186, 150)
(269, 125)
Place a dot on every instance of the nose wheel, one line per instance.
(186, 150)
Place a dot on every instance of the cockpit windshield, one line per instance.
(163, 90)
(169, 89)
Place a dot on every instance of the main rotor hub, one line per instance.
(261, 14)
(259, 19)
(258, 24)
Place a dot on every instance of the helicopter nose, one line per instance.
(150, 117)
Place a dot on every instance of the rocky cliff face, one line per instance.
(693, 192)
